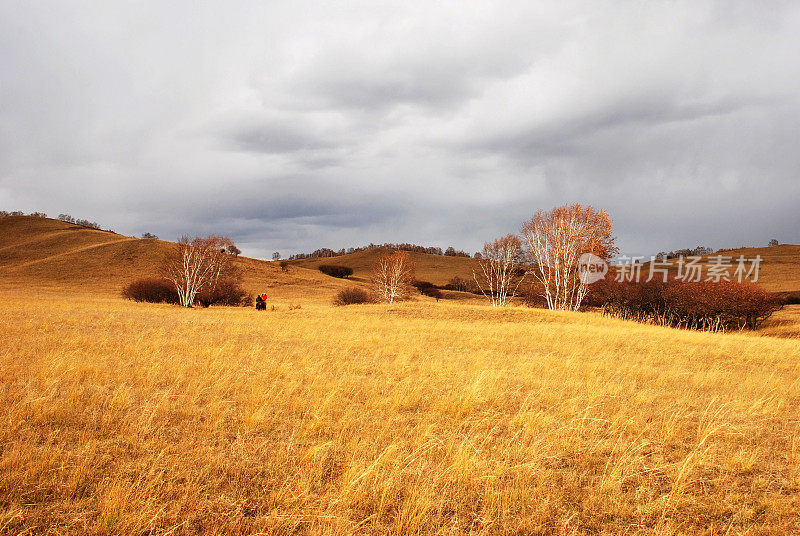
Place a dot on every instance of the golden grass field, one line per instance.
(420, 418)
(417, 418)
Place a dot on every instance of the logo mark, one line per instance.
(591, 268)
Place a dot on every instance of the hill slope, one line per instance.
(779, 270)
(44, 253)
(436, 269)
(47, 254)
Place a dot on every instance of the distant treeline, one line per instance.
(63, 217)
(4, 213)
(83, 223)
(686, 252)
(326, 252)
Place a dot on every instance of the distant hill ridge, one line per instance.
(53, 255)
(57, 255)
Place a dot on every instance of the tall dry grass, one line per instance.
(423, 418)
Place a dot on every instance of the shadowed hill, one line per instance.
(48, 254)
(437, 269)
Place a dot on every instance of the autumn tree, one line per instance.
(198, 264)
(554, 242)
(392, 275)
(498, 276)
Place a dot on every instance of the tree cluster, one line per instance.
(686, 252)
(83, 223)
(412, 248)
(499, 277)
(555, 241)
(4, 213)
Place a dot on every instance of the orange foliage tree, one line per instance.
(498, 278)
(554, 242)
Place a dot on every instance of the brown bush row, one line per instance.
(427, 288)
(156, 290)
(341, 272)
(327, 252)
(700, 305)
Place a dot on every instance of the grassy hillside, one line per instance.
(779, 270)
(43, 253)
(47, 253)
(420, 418)
(436, 269)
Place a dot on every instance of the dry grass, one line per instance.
(422, 418)
(785, 323)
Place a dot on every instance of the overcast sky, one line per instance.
(297, 125)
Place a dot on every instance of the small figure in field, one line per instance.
(261, 302)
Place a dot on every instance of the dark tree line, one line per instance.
(686, 252)
(327, 252)
(83, 223)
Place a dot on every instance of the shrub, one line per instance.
(700, 305)
(149, 236)
(225, 292)
(532, 296)
(284, 266)
(457, 283)
(433, 292)
(341, 272)
(352, 295)
(151, 290)
(423, 284)
(792, 298)
(427, 288)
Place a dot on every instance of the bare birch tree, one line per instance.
(392, 275)
(554, 242)
(498, 277)
(197, 263)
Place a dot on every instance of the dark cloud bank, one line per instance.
(311, 125)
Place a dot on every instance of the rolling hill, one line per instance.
(44, 254)
(779, 270)
(48, 254)
(436, 269)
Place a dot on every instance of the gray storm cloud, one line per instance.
(306, 125)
